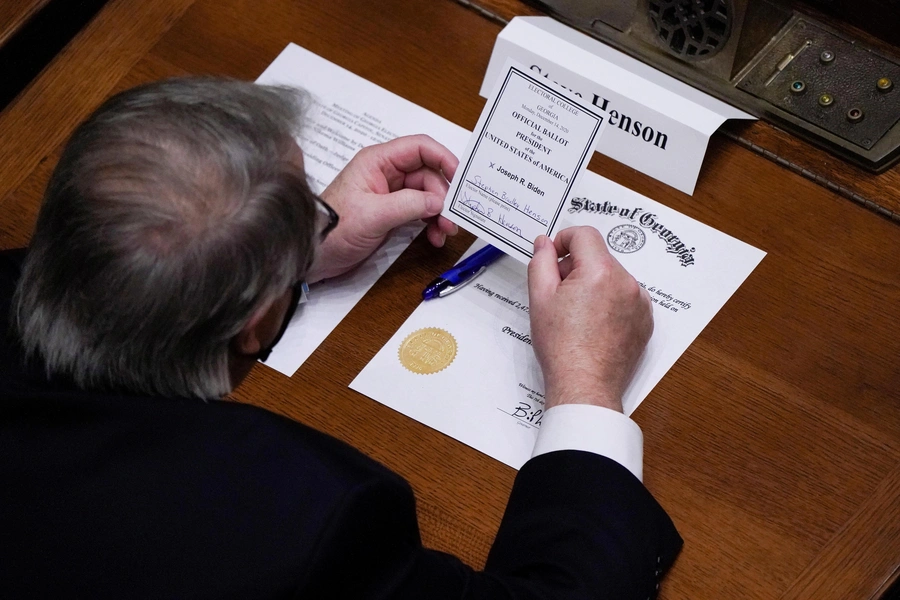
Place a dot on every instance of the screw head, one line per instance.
(826, 99)
(827, 56)
(884, 84)
(855, 115)
(798, 87)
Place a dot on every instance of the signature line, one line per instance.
(503, 201)
(523, 421)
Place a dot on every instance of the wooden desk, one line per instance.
(15, 13)
(774, 442)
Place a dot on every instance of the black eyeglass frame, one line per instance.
(333, 218)
(296, 294)
(297, 288)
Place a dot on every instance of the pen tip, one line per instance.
(433, 289)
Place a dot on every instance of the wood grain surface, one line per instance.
(14, 14)
(879, 193)
(774, 442)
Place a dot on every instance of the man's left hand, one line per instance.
(381, 188)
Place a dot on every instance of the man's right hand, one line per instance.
(383, 187)
(590, 320)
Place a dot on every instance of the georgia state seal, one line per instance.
(427, 351)
(626, 238)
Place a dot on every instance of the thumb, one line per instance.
(403, 206)
(543, 271)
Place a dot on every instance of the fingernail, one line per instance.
(443, 239)
(434, 204)
(539, 242)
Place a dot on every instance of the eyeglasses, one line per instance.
(296, 293)
(326, 213)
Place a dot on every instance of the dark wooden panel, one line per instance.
(14, 14)
(76, 83)
(32, 32)
(773, 441)
(877, 17)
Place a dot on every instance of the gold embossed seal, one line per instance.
(427, 351)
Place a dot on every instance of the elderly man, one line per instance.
(174, 236)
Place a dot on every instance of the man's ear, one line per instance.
(249, 341)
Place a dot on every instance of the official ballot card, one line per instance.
(527, 152)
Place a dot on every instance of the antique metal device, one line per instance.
(764, 57)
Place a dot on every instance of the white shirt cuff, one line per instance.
(593, 429)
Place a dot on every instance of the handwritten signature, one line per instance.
(535, 215)
(509, 225)
(480, 184)
(476, 206)
(511, 200)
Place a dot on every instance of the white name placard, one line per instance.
(656, 123)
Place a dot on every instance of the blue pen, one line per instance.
(461, 274)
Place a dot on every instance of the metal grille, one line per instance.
(692, 29)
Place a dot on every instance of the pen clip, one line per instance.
(452, 288)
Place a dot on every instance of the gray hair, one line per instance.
(176, 211)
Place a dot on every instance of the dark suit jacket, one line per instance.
(123, 496)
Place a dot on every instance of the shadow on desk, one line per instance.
(893, 593)
(32, 41)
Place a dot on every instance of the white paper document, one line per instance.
(347, 114)
(657, 124)
(529, 148)
(464, 364)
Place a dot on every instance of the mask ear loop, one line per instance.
(299, 290)
(298, 295)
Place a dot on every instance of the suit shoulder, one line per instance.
(278, 437)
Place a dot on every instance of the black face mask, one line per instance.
(296, 293)
(331, 221)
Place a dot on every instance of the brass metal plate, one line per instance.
(849, 78)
